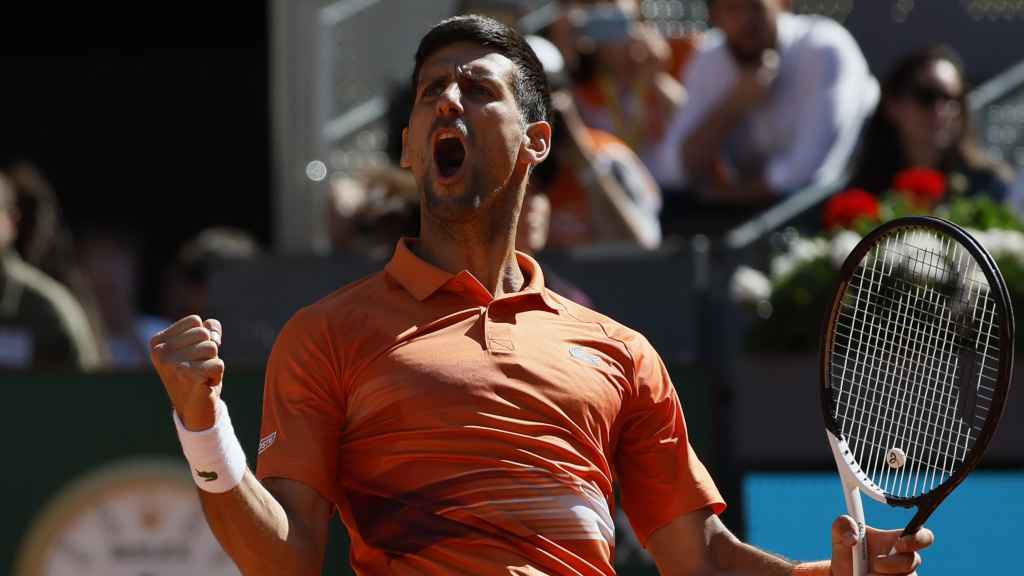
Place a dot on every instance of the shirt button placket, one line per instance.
(497, 334)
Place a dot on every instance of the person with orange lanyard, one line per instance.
(599, 190)
(625, 72)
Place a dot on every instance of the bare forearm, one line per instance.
(701, 150)
(698, 544)
(257, 533)
(734, 558)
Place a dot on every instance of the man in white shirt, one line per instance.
(776, 103)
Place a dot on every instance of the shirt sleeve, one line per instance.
(303, 408)
(660, 476)
(838, 93)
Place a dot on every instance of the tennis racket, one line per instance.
(915, 366)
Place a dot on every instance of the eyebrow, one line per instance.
(437, 71)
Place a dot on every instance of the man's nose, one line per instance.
(450, 101)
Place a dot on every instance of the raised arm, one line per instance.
(277, 528)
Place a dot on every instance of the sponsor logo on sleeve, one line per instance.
(266, 441)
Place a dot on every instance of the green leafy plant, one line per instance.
(792, 297)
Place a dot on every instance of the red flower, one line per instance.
(924, 186)
(847, 207)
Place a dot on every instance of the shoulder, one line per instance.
(45, 291)
(610, 147)
(712, 52)
(820, 34)
(342, 312)
(346, 307)
(989, 180)
(632, 341)
(712, 43)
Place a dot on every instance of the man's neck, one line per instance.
(492, 263)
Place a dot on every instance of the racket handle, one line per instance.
(856, 510)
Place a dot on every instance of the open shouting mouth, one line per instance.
(449, 154)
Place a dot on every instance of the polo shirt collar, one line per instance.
(422, 279)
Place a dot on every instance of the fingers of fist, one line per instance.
(189, 349)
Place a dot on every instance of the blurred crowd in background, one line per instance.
(656, 137)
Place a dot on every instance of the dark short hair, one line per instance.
(530, 86)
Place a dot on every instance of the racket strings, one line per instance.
(914, 306)
(940, 365)
(986, 324)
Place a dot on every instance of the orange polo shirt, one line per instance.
(458, 433)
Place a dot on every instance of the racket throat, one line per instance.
(923, 513)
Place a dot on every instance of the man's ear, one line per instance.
(404, 160)
(538, 141)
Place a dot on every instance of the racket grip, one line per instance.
(855, 508)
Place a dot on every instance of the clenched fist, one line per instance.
(185, 356)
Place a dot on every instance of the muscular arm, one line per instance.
(698, 544)
(278, 527)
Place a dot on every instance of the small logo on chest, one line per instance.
(583, 355)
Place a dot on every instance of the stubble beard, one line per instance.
(479, 213)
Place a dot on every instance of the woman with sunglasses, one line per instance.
(923, 122)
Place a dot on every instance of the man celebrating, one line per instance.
(776, 103)
(462, 418)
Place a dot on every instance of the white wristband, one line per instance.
(214, 455)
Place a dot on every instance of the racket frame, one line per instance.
(849, 470)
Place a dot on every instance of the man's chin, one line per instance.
(447, 188)
(450, 201)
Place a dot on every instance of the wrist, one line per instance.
(214, 455)
(821, 568)
(194, 421)
(197, 420)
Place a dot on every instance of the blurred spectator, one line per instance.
(45, 242)
(532, 237)
(776, 102)
(624, 72)
(187, 282)
(110, 261)
(923, 122)
(41, 324)
(600, 191)
(42, 241)
(507, 12)
(369, 212)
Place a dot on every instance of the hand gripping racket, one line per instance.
(915, 366)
